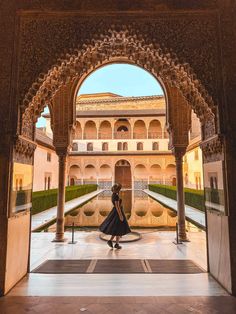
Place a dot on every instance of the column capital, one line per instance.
(61, 151)
(179, 151)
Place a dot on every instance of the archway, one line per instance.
(123, 174)
(105, 130)
(90, 130)
(90, 174)
(154, 129)
(117, 44)
(105, 177)
(155, 174)
(140, 130)
(122, 129)
(170, 176)
(67, 75)
(75, 175)
(140, 177)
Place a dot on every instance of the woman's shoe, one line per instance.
(109, 243)
(117, 246)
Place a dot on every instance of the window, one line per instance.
(196, 157)
(49, 183)
(89, 147)
(155, 146)
(49, 155)
(104, 146)
(125, 146)
(119, 146)
(74, 147)
(122, 128)
(139, 146)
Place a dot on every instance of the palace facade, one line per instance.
(118, 139)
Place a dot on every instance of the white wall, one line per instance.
(132, 144)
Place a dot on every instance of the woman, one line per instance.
(116, 223)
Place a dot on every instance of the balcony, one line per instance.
(90, 136)
(104, 136)
(155, 135)
(122, 135)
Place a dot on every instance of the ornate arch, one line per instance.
(116, 44)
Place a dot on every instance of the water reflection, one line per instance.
(140, 210)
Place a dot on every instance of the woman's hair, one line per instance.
(116, 187)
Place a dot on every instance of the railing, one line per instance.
(105, 136)
(139, 135)
(122, 135)
(154, 135)
(88, 136)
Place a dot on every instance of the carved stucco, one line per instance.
(213, 148)
(157, 45)
(24, 150)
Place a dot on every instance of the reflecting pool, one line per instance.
(140, 209)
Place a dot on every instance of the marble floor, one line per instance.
(192, 214)
(154, 244)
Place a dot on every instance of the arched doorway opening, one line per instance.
(140, 177)
(105, 177)
(123, 174)
(167, 67)
(74, 176)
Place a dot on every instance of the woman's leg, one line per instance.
(112, 238)
(117, 239)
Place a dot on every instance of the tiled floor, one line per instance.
(153, 245)
(118, 305)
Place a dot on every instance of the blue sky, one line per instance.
(121, 79)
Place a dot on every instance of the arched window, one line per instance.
(125, 146)
(122, 128)
(74, 147)
(89, 147)
(105, 146)
(119, 146)
(155, 146)
(139, 146)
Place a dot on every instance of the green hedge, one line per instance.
(42, 200)
(194, 198)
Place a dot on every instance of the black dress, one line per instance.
(112, 224)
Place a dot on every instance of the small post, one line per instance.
(177, 235)
(72, 234)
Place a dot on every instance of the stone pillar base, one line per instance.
(59, 238)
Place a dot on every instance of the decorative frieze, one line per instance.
(24, 150)
(98, 42)
(212, 148)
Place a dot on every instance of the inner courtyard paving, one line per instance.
(118, 293)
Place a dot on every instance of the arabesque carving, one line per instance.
(119, 42)
(212, 148)
(24, 149)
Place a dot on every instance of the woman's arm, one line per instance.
(117, 205)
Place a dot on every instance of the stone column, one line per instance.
(179, 153)
(62, 156)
